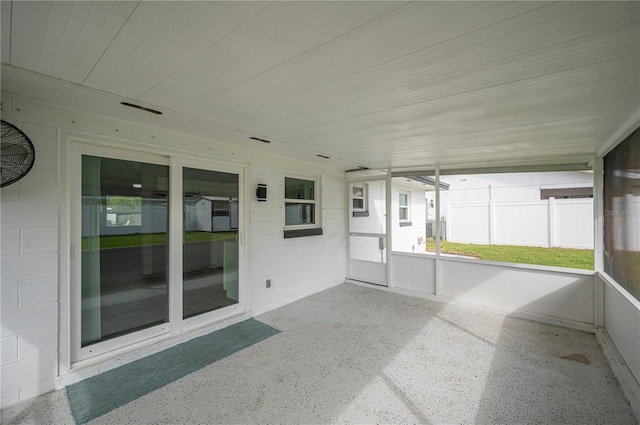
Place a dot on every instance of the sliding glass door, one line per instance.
(210, 241)
(124, 247)
(159, 247)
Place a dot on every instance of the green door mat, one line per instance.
(102, 393)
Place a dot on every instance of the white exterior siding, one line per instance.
(409, 238)
(511, 187)
(34, 252)
(29, 273)
(367, 248)
(299, 266)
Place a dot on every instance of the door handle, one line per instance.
(240, 237)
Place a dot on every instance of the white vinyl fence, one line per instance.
(566, 223)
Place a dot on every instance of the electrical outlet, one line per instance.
(268, 283)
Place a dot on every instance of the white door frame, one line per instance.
(73, 146)
(382, 276)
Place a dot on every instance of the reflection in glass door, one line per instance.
(210, 241)
(124, 221)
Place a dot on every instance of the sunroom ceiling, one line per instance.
(371, 84)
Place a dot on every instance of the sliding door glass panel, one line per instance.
(210, 254)
(124, 247)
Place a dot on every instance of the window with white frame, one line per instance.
(359, 201)
(404, 200)
(301, 202)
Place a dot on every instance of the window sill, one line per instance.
(299, 233)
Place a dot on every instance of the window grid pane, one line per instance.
(299, 189)
(299, 214)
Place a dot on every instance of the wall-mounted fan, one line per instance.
(16, 152)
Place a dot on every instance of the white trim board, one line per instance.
(619, 367)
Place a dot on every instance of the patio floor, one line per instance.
(359, 355)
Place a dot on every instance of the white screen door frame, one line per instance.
(368, 224)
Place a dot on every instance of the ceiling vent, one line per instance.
(142, 108)
(259, 140)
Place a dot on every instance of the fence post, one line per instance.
(552, 222)
(492, 222)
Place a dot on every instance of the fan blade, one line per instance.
(13, 150)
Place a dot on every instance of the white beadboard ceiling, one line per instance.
(374, 84)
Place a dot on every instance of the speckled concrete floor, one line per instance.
(358, 355)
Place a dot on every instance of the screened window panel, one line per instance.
(622, 214)
(299, 214)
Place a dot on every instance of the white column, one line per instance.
(438, 231)
(389, 222)
(598, 239)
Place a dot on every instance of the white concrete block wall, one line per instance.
(32, 357)
(295, 266)
(29, 274)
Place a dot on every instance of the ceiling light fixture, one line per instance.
(142, 108)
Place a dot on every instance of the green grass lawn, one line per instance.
(558, 257)
(137, 239)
